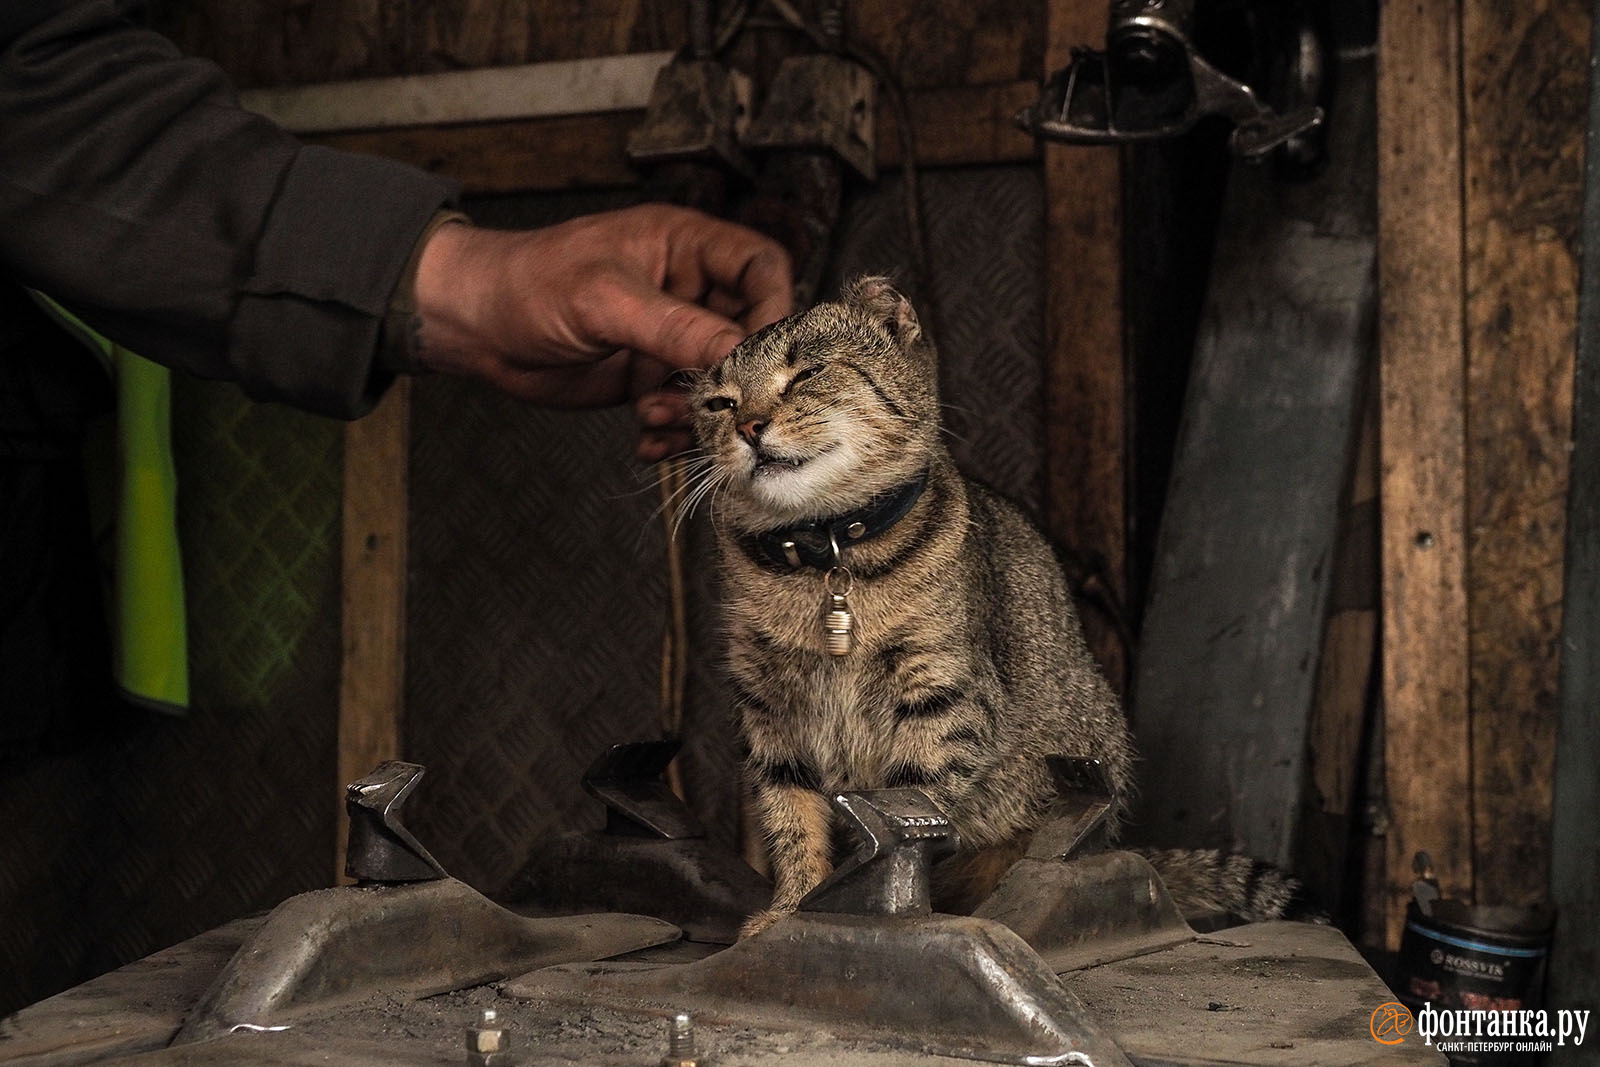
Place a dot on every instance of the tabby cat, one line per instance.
(955, 661)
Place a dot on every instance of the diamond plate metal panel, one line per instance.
(534, 618)
(166, 827)
(538, 594)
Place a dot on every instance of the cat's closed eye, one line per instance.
(809, 372)
(719, 403)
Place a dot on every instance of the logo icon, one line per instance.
(1391, 1023)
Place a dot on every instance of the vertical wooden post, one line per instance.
(372, 676)
(1427, 746)
(1523, 73)
(1086, 447)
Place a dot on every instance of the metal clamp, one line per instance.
(380, 848)
(627, 779)
(1152, 82)
(820, 102)
(1076, 821)
(899, 833)
(698, 111)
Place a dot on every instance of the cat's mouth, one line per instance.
(769, 463)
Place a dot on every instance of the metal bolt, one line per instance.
(680, 1043)
(487, 1041)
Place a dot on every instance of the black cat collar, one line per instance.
(812, 543)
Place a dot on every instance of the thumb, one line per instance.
(674, 331)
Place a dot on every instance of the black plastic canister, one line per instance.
(1475, 957)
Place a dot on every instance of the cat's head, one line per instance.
(816, 414)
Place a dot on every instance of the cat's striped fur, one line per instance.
(969, 665)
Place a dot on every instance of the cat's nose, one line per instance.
(751, 429)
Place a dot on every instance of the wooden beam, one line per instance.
(1086, 446)
(954, 126)
(1427, 747)
(372, 676)
(1575, 862)
(528, 90)
(1524, 72)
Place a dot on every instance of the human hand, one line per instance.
(598, 310)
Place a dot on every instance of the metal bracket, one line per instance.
(899, 833)
(627, 780)
(380, 849)
(1077, 818)
(653, 858)
(821, 102)
(698, 111)
(1152, 82)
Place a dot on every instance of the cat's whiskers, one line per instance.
(651, 477)
(706, 486)
(693, 467)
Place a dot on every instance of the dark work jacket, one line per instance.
(136, 191)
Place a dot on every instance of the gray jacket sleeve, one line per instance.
(135, 190)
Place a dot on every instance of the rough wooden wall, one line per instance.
(293, 42)
(1481, 132)
(1525, 74)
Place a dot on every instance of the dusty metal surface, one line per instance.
(1275, 993)
(943, 986)
(377, 1034)
(1281, 993)
(1088, 911)
(132, 1009)
(318, 951)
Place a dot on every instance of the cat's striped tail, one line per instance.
(1208, 882)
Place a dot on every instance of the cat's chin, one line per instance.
(831, 483)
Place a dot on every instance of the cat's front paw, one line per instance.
(760, 921)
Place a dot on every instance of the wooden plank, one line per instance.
(1575, 866)
(372, 676)
(1238, 597)
(1524, 72)
(962, 125)
(1086, 383)
(955, 42)
(533, 155)
(1427, 748)
(529, 90)
(291, 42)
(958, 126)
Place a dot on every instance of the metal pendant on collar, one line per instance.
(838, 622)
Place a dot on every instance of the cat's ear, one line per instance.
(877, 297)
